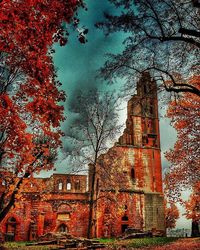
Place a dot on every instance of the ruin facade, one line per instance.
(129, 176)
(128, 185)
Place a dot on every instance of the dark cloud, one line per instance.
(78, 63)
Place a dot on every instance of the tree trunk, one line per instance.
(91, 204)
(195, 229)
(5, 210)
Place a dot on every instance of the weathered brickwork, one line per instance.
(62, 206)
(128, 185)
(133, 169)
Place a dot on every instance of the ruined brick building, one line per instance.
(128, 184)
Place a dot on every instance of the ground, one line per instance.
(140, 244)
(157, 244)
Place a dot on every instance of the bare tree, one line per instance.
(92, 131)
(162, 37)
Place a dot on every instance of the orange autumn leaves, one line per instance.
(184, 157)
(30, 113)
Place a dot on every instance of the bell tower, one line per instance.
(136, 158)
(142, 125)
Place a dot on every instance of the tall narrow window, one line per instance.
(151, 110)
(145, 88)
(77, 185)
(60, 185)
(132, 173)
(69, 186)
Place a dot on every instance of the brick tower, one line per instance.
(129, 175)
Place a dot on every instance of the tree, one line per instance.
(162, 37)
(184, 157)
(30, 113)
(193, 209)
(95, 126)
(171, 215)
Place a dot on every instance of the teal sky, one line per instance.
(77, 65)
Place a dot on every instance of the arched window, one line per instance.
(12, 220)
(60, 185)
(145, 89)
(69, 186)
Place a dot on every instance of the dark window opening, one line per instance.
(132, 173)
(145, 88)
(125, 207)
(12, 220)
(125, 218)
(107, 210)
(151, 109)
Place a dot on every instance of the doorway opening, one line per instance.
(124, 227)
(62, 228)
(11, 229)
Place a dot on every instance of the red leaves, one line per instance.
(171, 215)
(30, 113)
(193, 205)
(185, 113)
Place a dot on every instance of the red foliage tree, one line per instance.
(171, 215)
(184, 157)
(30, 113)
(193, 209)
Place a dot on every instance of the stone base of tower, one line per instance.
(129, 209)
(154, 220)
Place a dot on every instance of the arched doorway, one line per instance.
(124, 225)
(62, 228)
(11, 229)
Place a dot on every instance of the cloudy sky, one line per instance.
(77, 65)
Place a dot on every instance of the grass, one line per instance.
(144, 242)
(22, 246)
(111, 243)
(139, 243)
